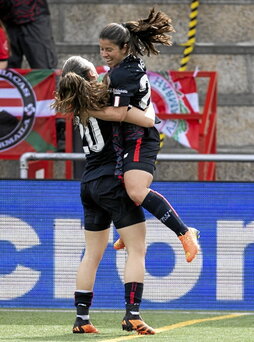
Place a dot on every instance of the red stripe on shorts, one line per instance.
(137, 150)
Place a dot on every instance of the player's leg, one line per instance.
(139, 166)
(97, 223)
(96, 242)
(130, 221)
(137, 182)
(134, 239)
(136, 194)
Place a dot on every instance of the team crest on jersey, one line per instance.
(16, 128)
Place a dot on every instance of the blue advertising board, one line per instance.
(42, 243)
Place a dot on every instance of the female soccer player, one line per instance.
(103, 196)
(120, 46)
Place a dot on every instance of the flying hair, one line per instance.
(142, 35)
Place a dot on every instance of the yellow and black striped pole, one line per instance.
(189, 45)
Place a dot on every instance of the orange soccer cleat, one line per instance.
(190, 243)
(119, 244)
(82, 327)
(137, 324)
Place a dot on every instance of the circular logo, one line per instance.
(17, 112)
(163, 94)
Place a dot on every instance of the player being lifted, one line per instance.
(120, 46)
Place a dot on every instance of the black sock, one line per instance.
(83, 302)
(133, 297)
(157, 205)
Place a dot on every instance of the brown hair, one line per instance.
(76, 93)
(141, 35)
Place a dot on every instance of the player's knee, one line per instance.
(135, 195)
(136, 256)
(93, 258)
(137, 250)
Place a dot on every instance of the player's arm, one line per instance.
(139, 117)
(110, 113)
(128, 114)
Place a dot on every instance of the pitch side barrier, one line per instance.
(26, 157)
(42, 243)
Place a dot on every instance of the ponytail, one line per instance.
(141, 35)
(147, 32)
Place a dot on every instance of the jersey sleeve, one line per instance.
(124, 84)
(4, 51)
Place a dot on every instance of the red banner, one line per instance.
(172, 95)
(27, 123)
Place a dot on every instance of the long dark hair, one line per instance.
(76, 93)
(141, 35)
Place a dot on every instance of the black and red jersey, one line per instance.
(101, 156)
(22, 11)
(129, 84)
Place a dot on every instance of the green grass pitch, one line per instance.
(192, 326)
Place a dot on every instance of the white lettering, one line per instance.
(171, 286)
(69, 246)
(22, 279)
(232, 238)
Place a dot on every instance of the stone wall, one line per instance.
(225, 43)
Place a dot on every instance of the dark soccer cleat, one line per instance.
(83, 327)
(136, 323)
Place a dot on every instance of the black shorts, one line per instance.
(105, 200)
(141, 153)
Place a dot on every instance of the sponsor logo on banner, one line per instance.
(42, 244)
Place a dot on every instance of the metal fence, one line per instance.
(26, 157)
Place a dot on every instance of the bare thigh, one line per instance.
(137, 183)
